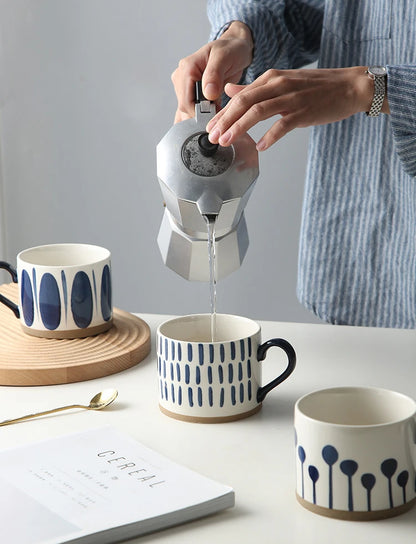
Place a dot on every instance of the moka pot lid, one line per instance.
(196, 175)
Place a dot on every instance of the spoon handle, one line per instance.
(46, 412)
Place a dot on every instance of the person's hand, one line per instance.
(217, 63)
(301, 97)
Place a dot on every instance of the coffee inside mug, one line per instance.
(359, 406)
(197, 328)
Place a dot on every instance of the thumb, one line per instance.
(212, 85)
(213, 78)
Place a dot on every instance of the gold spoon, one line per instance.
(98, 401)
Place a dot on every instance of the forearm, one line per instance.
(301, 98)
(240, 31)
(286, 34)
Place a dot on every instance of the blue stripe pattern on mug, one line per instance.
(222, 352)
(205, 386)
(94, 284)
(49, 302)
(81, 300)
(106, 294)
(35, 290)
(54, 298)
(65, 294)
(27, 299)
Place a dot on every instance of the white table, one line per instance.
(256, 455)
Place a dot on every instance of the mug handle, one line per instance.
(291, 357)
(12, 271)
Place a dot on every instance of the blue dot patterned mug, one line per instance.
(64, 290)
(213, 381)
(356, 453)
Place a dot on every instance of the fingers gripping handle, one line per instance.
(291, 358)
(199, 95)
(204, 109)
(12, 271)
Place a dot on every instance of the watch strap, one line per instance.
(379, 94)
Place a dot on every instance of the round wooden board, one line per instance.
(27, 360)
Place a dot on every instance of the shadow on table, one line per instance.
(278, 406)
(215, 522)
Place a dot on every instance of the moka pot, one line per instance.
(200, 180)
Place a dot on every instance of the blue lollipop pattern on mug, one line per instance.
(368, 482)
(350, 468)
(314, 476)
(330, 456)
(302, 457)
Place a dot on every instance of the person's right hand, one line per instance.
(216, 63)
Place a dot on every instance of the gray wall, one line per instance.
(85, 95)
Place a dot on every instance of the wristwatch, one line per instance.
(379, 75)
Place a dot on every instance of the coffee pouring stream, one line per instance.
(202, 182)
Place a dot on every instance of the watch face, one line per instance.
(377, 70)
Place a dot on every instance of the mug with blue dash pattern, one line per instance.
(214, 380)
(64, 290)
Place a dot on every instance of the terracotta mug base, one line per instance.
(358, 515)
(218, 419)
(77, 333)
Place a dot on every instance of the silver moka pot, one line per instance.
(201, 181)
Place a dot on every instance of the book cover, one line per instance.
(98, 486)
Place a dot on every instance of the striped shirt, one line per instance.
(357, 254)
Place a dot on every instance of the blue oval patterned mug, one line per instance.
(214, 377)
(64, 290)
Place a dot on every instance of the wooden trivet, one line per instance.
(27, 360)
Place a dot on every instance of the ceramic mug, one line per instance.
(209, 381)
(356, 452)
(64, 290)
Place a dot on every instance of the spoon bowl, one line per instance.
(103, 399)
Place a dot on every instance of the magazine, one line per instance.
(98, 486)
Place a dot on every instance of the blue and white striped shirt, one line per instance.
(357, 255)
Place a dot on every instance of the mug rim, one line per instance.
(298, 408)
(235, 318)
(102, 254)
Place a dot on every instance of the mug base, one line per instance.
(361, 515)
(75, 333)
(217, 419)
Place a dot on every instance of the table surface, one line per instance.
(255, 455)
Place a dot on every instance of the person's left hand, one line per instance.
(303, 98)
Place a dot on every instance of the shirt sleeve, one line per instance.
(401, 93)
(286, 33)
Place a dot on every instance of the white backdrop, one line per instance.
(85, 96)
